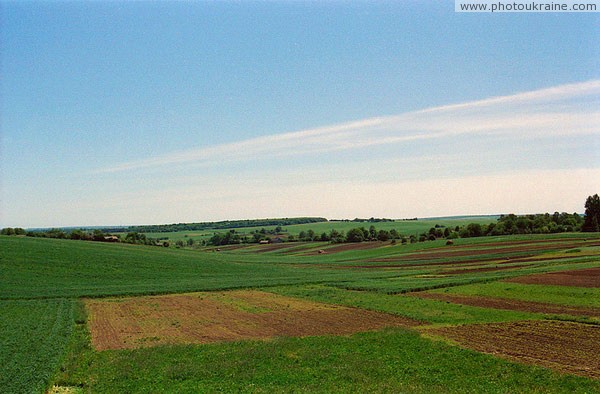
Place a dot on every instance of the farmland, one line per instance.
(405, 227)
(376, 316)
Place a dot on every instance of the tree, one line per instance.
(135, 238)
(355, 235)
(98, 235)
(372, 232)
(383, 235)
(336, 236)
(474, 230)
(592, 214)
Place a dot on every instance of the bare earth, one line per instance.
(562, 346)
(505, 303)
(120, 323)
(589, 277)
(513, 250)
(338, 248)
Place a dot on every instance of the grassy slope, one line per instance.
(45, 268)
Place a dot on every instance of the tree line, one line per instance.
(84, 235)
(510, 224)
(222, 225)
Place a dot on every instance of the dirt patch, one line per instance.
(508, 249)
(466, 263)
(562, 346)
(514, 305)
(482, 269)
(589, 277)
(533, 241)
(224, 248)
(349, 246)
(222, 316)
(273, 247)
(434, 261)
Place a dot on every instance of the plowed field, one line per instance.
(562, 346)
(226, 316)
(512, 250)
(515, 305)
(349, 247)
(579, 278)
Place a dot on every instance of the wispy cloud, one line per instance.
(569, 109)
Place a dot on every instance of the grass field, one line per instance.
(33, 340)
(438, 293)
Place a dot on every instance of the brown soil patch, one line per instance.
(482, 269)
(224, 248)
(458, 263)
(272, 247)
(224, 316)
(508, 248)
(514, 305)
(350, 246)
(534, 241)
(589, 277)
(433, 261)
(562, 346)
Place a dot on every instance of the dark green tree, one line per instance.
(383, 235)
(372, 232)
(355, 235)
(336, 236)
(592, 214)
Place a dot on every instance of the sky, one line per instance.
(122, 113)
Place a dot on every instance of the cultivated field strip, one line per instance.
(563, 346)
(217, 317)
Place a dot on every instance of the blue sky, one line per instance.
(157, 112)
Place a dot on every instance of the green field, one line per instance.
(45, 339)
(33, 341)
